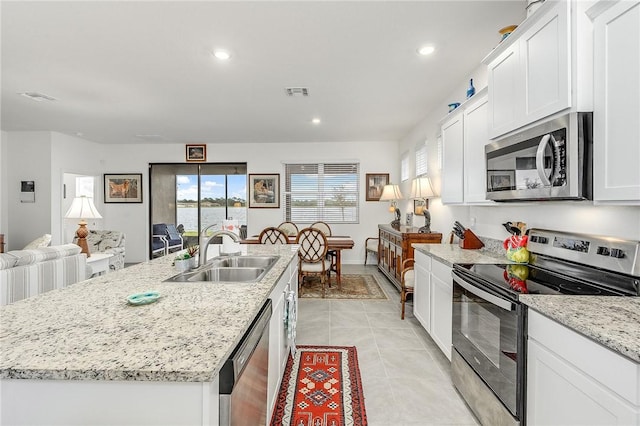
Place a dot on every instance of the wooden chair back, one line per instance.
(323, 227)
(289, 228)
(313, 245)
(272, 235)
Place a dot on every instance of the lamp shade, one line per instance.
(82, 208)
(421, 188)
(390, 193)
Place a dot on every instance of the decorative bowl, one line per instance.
(506, 31)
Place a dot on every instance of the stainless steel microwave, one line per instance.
(548, 161)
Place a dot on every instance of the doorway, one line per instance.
(195, 196)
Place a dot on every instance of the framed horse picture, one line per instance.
(123, 188)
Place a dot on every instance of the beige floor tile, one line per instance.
(347, 306)
(346, 319)
(399, 338)
(388, 320)
(416, 363)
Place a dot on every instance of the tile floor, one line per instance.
(405, 376)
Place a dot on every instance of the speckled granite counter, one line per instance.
(452, 253)
(88, 331)
(611, 321)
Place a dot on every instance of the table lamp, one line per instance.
(82, 208)
(392, 193)
(421, 189)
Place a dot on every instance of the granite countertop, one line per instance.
(609, 320)
(452, 253)
(88, 331)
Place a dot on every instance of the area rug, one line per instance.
(321, 387)
(354, 286)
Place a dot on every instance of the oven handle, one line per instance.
(494, 300)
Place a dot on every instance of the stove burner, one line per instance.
(578, 289)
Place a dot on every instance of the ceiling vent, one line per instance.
(38, 97)
(296, 91)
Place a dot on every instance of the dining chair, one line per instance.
(371, 246)
(407, 282)
(289, 228)
(272, 235)
(312, 256)
(326, 230)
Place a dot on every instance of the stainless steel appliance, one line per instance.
(243, 377)
(489, 323)
(551, 160)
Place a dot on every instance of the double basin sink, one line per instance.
(229, 269)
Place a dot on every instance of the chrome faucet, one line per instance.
(205, 241)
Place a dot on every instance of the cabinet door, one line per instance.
(441, 306)
(476, 136)
(452, 160)
(616, 148)
(559, 393)
(421, 296)
(505, 92)
(544, 54)
(277, 337)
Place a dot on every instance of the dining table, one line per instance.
(335, 243)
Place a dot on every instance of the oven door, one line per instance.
(489, 333)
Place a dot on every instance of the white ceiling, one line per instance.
(121, 69)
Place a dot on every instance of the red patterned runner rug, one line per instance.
(321, 387)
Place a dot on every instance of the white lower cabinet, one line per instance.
(569, 380)
(432, 299)
(421, 291)
(278, 341)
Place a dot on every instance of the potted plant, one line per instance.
(187, 260)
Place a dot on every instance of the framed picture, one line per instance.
(501, 180)
(264, 191)
(375, 182)
(196, 152)
(123, 188)
(419, 206)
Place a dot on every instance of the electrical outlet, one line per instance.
(472, 221)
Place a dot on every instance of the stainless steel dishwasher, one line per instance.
(243, 378)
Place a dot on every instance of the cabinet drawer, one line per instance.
(422, 259)
(587, 355)
(442, 271)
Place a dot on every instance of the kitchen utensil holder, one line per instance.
(470, 241)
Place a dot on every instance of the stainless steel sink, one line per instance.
(229, 269)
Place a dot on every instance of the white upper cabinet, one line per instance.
(476, 136)
(616, 117)
(452, 159)
(532, 74)
(464, 135)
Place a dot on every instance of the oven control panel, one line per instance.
(613, 254)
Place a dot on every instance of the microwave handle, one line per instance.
(540, 159)
(494, 300)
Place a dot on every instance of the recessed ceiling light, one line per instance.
(426, 50)
(315, 120)
(223, 55)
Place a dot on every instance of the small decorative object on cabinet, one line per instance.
(395, 247)
(453, 106)
(471, 90)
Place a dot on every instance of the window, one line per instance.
(421, 159)
(322, 191)
(404, 167)
(84, 186)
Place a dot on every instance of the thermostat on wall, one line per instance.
(28, 191)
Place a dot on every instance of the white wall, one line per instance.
(3, 183)
(374, 157)
(28, 158)
(46, 156)
(582, 216)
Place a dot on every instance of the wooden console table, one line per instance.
(395, 247)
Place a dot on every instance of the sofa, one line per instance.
(102, 241)
(26, 273)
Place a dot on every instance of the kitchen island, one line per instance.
(83, 355)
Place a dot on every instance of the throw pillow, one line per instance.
(43, 241)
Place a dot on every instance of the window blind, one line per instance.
(322, 191)
(421, 159)
(404, 167)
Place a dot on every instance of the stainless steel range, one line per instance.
(490, 324)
